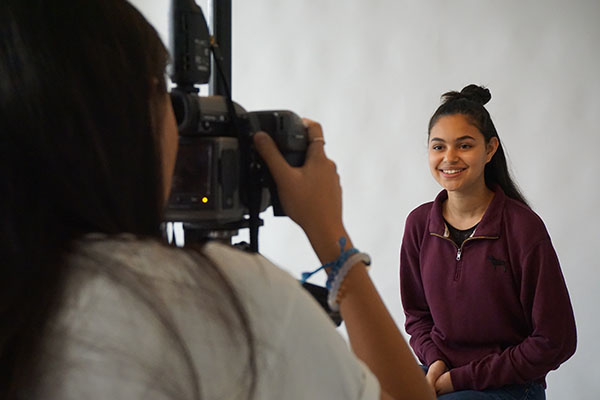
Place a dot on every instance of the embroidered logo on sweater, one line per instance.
(497, 263)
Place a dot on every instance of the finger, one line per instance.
(269, 152)
(316, 142)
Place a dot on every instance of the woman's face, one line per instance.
(170, 143)
(458, 154)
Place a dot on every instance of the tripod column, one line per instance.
(221, 28)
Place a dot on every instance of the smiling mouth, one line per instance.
(452, 171)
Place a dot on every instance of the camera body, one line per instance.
(219, 178)
(213, 176)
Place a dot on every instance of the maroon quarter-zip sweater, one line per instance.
(496, 310)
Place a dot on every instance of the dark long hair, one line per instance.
(470, 102)
(80, 83)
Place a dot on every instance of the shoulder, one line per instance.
(250, 267)
(419, 214)
(128, 253)
(180, 276)
(417, 221)
(175, 274)
(256, 279)
(523, 223)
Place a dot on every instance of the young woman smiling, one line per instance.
(485, 300)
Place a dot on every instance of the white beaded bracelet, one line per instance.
(341, 274)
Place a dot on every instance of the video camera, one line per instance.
(220, 184)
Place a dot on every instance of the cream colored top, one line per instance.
(110, 339)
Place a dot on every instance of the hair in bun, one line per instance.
(477, 94)
(470, 102)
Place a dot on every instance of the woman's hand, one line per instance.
(438, 376)
(436, 369)
(310, 195)
(444, 384)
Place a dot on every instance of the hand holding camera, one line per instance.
(311, 195)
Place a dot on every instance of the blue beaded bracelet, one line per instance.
(334, 291)
(333, 265)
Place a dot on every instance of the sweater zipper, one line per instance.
(460, 249)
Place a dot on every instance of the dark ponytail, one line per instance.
(470, 102)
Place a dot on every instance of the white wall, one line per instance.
(372, 72)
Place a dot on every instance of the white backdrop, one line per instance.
(372, 72)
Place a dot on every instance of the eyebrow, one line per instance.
(466, 137)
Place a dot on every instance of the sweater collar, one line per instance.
(489, 224)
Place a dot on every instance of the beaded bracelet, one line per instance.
(334, 265)
(338, 270)
(334, 297)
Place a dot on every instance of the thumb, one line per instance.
(268, 151)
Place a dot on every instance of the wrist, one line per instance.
(353, 282)
(336, 282)
(336, 268)
(325, 242)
